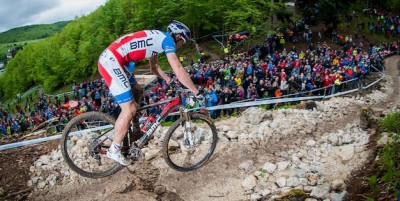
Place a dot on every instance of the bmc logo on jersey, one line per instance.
(141, 43)
(121, 76)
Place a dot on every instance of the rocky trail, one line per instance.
(261, 155)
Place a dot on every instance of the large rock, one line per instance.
(45, 159)
(311, 143)
(232, 134)
(283, 165)
(254, 115)
(345, 152)
(281, 182)
(249, 182)
(41, 184)
(338, 196)
(346, 139)
(151, 154)
(338, 185)
(309, 105)
(247, 165)
(303, 181)
(172, 145)
(333, 139)
(269, 167)
(292, 182)
(160, 190)
(225, 128)
(56, 155)
(319, 192)
(265, 192)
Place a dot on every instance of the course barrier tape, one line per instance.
(45, 139)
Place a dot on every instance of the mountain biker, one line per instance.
(116, 64)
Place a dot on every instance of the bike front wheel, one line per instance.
(84, 143)
(188, 145)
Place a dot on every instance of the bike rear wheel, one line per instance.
(183, 153)
(84, 143)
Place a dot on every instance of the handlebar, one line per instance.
(177, 88)
(188, 93)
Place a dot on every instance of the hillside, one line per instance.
(31, 32)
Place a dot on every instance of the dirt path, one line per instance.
(204, 47)
(393, 70)
(358, 188)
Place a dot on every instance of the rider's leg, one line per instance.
(128, 109)
(117, 81)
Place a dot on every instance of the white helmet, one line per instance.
(176, 27)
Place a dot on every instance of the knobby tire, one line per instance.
(171, 131)
(73, 123)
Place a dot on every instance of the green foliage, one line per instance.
(72, 53)
(4, 47)
(235, 113)
(392, 5)
(167, 123)
(328, 13)
(263, 172)
(389, 162)
(265, 107)
(31, 32)
(373, 182)
(388, 179)
(391, 123)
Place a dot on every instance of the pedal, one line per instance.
(135, 152)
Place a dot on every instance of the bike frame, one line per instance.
(172, 103)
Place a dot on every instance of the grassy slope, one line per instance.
(4, 47)
(31, 32)
(27, 34)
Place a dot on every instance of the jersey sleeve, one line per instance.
(168, 44)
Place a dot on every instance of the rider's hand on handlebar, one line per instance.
(199, 98)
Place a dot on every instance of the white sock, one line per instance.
(114, 148)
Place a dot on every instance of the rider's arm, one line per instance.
(155, 68)
(181, 73)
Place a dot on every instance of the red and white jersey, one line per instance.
(113, 62)
(140, 45)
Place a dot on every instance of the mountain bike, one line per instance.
(188, 144)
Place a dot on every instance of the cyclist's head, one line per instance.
(176, 27)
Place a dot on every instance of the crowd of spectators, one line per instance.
(266, 72)
(383, 22)
(56, 110)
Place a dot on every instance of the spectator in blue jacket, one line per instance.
(15, 127)
(211, 100)
(3, 129)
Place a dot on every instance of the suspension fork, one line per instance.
(187, 131)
